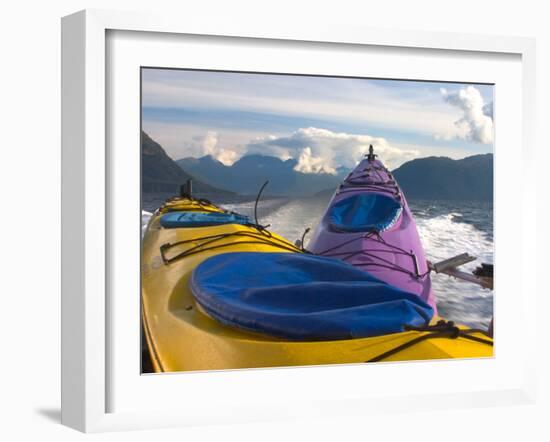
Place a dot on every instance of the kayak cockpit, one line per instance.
(173, 220)
(301, 297)
(364, 212)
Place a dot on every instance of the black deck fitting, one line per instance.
(371, 156)
(186, 190)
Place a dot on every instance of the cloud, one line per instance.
(321, 150)
(181, 141)
(488, 109)
(209, 145)
(476, 123)
(271, 145)
(307, 163)
(396, 105)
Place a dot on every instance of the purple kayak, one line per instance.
(368, 224)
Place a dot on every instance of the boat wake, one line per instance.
(445, 236)
(145, 217)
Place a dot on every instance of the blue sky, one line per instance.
(323, 122)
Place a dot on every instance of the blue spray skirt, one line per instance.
(302, 297)
(364, 212)
(200, 219)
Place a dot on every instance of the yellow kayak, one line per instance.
(182, 336)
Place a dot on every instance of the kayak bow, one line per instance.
(368, 224)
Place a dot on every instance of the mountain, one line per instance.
(445, 179)
(159, 173)
(425, 178)
(247, 175)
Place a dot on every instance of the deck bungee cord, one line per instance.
(188, 209)
(202, 201)
(442, 329)
(373, 188)
(192, 205)
(382, 262)
(358, 180)
(263, 237)
(353, 184)
(353, 179)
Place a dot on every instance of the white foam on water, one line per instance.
(291, 220)
(246, 208)
(145, 217)
(443, 238)
(288, 218)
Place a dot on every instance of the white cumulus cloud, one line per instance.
(307, 163)
(209, 143)
(476, 123)
(323, 151)
(315, 150)
(211, 147)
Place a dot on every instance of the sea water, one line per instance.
(446, 228)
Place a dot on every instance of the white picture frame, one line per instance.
(86, 217)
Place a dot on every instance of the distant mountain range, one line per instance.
(425, 178)
(247, 175)
(445, 179)
(159, 173)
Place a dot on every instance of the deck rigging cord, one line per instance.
(373, 188)
(352, 183)
(376, 259)
(211, 242)
(198, 205)
(382, 185)
(442, 329)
